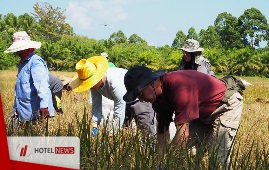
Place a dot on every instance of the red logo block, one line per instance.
(64, 150)
(23, 150)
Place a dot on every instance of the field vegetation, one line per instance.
(131, 149)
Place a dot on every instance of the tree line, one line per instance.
(232, 44)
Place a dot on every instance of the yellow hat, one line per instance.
(89, 73)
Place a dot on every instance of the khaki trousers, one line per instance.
(219, 130)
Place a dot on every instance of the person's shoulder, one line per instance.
(117, 69)
(200, 60)
(115, 73)
(52, 76)
(205, 59)
(37, 58)
(111, 65)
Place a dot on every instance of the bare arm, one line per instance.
(163, 139)
(182, 135)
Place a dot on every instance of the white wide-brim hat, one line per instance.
(22, 41)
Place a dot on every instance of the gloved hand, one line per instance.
(44, 112)
(94, 131)
(59, 111)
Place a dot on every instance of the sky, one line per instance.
(156, 21)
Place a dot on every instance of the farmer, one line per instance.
(110, 64)
(56, 87)
(193, 59)
(93, 73)
(32, 93)
(196, 99)
(107, 104)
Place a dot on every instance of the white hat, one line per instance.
(22, 41)
(104, 54)
(191, 45)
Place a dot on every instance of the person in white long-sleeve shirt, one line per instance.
(95, 75)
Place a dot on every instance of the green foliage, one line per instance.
(227, 44)
(117, 38)
(254, 27)
(51, 23)
(179, 40)
(126, 55)
(228, 29)
(209, 38)
(64, 54)
(134, 38)
(192, 34)
(245, 62)
(8, 61)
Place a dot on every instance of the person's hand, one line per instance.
(67, 87)
(15, 114)
(44, 112)
(59, 111)
(94, 131)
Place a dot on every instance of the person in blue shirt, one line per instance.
(94, 74)
(32, 94)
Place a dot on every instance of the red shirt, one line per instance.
(188, 94)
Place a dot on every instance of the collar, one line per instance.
(28, 57)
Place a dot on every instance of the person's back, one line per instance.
(55, 83)
(56, 87)
(193, 95)
(193, 59)
(114, 89)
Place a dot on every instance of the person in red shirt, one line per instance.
(196, 99)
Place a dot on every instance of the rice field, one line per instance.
(131, 149)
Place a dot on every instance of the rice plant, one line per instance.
(130, 148)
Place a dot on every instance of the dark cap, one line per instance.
(136, 79)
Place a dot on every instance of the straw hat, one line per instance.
(191, 45)
(22, 41)
(89, 73)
